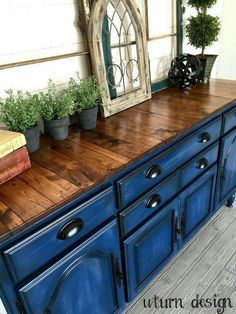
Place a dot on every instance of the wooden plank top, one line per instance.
(64, 170)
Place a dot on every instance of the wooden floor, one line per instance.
(207, 267)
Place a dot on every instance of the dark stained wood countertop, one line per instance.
(64, 170)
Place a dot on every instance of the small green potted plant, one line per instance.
(20, 113)
(202, 31)
(56, 107)
(86, 94)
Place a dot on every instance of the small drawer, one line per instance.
(230, 120)
(199, 164)
(139, 181)
(143, 208)
(33, 252)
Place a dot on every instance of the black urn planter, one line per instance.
(88, 118)
(58, 129)
(32, 137)
(207, 63)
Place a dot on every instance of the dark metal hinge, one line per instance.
(223, 176)
(183, 227)
(177, 230)
(118, 273)
(19, 306)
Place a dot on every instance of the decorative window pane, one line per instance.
(123, 71)
(118, 49)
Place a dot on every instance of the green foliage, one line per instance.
(85, 92)
(55, 105)
(203, 30)
(73, 88)
(201, 4)
(20, 111)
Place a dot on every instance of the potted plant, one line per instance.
(86, 93)
(20, 113)
(55, 110)
(202, 31)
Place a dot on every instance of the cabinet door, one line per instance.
(227, 182)
(150, 248)
(87, 280)
(197, 204)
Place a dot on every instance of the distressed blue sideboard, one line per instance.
(97, 250)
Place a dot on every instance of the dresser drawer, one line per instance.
(146, 206)
(147, 176)
(230, 120)
(198, 165)
(33, 252)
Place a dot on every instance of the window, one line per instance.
(164, 34)
(118, 46)
(123, 66)
(162, 31)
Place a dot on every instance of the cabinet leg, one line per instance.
(230, 201)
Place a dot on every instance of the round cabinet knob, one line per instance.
(153, 172)
(202, 164)
(204, 137)
(70, 230)
(154, 201)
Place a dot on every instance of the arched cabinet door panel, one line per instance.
(118, 49)
(83, 282)
(227, 184)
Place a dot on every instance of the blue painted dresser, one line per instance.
(92, 248)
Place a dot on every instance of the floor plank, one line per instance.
(207, 267)
(232, 297)
(206, 270)
(222, 286)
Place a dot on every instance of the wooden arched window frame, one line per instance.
(138, 87)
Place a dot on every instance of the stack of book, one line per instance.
(14, 158)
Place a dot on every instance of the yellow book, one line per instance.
(10, 141)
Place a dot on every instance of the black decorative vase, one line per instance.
(58, 129)
(88, 118)
(32, 137)
(207, 63)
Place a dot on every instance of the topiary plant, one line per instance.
(203, 29)
(19, 111)
(201, 4)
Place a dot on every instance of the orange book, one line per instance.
(14, 164)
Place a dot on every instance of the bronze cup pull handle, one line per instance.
(70, 230)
